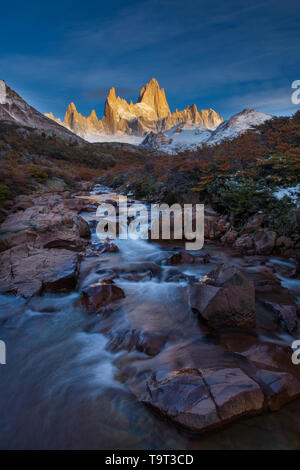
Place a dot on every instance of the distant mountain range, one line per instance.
(151, 112)
(189, 135)
(148, 122)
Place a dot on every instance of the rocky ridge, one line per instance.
(151, 112)
(15, 109)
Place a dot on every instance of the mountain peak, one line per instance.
(112, 95)
(151, 112)
(155, 98)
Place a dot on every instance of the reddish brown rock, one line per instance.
(29, 272)
(106, 247)
(184, 257)
(286, 313)
(203, 399)
(95, 296)
(224, 298)
(147, 342)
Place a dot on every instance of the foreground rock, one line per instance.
(95, 296)
(41, 245)
(201, 400)
(217, 382)
(183, 257)
(224, 298)
(28, 272)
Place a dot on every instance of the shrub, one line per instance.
(4, 194)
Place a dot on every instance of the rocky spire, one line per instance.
(71, 113)
(155, 97)
(151, 112)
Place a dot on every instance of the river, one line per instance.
(65, 386)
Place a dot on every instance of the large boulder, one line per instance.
(203, 399)
(28, 272)
(224, 298)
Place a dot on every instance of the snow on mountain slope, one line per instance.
(238, 124)
(13, 108)
(179, 138)
(190, 136)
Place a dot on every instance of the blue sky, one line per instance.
(227, 55)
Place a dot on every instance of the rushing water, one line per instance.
(63, 388)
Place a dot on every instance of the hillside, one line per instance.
(239, 177)
(31, 160)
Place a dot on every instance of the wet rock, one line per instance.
(95, 296)
(224, 298)
(136, 271)
(264, 242)
(183, 257)
(174, 275)
(149, 343)
(106, 247)
(203, 399)
(286, 313)
(183, 398)
(29, 272)
(270, 365)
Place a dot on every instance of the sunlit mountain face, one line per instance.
(151, 112)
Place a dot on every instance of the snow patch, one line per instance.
(189, 136)
(293, 192)
(120, 138)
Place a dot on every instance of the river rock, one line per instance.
(29, 272)
(95, 296)
(286, 313)
(224, 298)
(203, 399)
(182, 257)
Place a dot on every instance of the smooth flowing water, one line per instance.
(63, 387)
